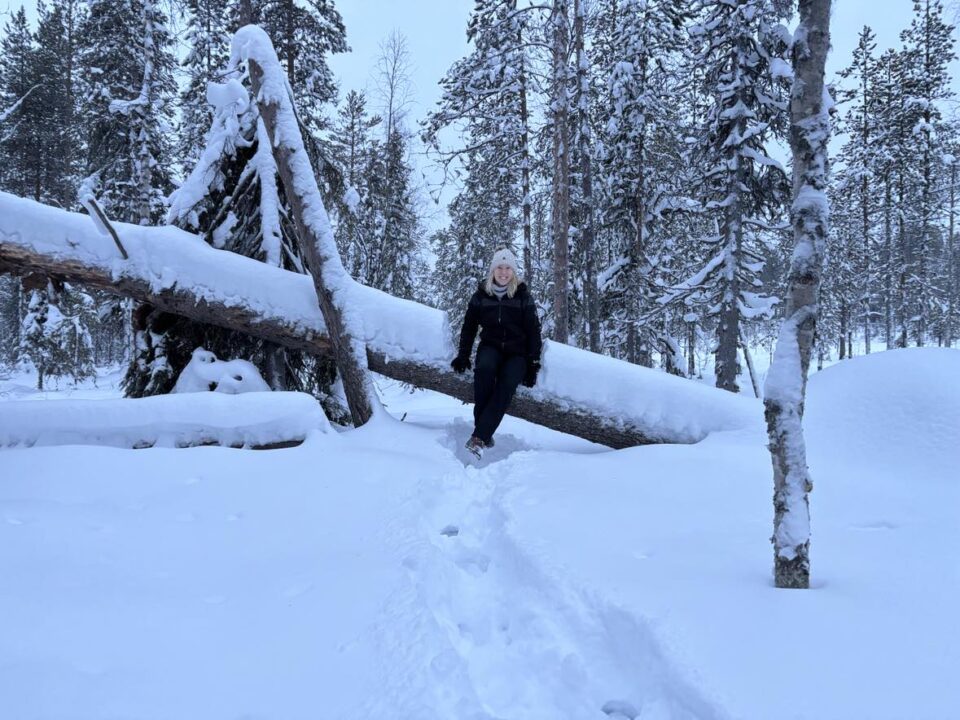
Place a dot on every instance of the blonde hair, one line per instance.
(511, 286)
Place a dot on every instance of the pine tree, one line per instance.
(208, 41)
(486, 98)
(127, 106)
(19, 140)
(929, 49)
(850, 279)
(742, 184)
(351, 148)
(305, 35)
(387, 226)
(56, 124)
(57, 343)
(641, 155)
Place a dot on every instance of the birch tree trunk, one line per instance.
(304, 197)
(787, 378)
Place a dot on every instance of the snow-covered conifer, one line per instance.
(127, 106)
(743, 186)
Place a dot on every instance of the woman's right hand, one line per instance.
(460, 364)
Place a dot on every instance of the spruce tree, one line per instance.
(208, 50)
(641, 154)
(127, 107)
(743, 187)
(19, 97)
(929, 48)
(486, 99)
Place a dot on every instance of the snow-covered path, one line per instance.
(517, 640)
(375, 574)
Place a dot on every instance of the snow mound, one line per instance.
(900, 409)
(250, 419)
(205, 372)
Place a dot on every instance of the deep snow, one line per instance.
(371, 574)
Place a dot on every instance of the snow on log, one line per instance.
(259, 420)
(581, 393)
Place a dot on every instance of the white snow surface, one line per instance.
(226, 376)
(167, 257)
(253, 418)
(371, 574)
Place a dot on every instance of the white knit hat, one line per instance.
(504, 256)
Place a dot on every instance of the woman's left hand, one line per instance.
(530, 377)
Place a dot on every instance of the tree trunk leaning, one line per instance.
(350, 364)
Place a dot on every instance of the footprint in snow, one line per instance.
(620, 710)
(472, 562)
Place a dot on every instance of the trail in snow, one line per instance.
(490, 636)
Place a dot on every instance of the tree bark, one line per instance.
(356, 384)
(787, 378)
(587, 235)
(528, 269)
(560, 216)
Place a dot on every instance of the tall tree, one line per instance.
(207, 41)
(641, 154)
(743, 185)
(787, 378)
(858, 182)
(19, 96)
(486, 98)
(929, 48)
(305, 36)
(128, 106)
(560, 77)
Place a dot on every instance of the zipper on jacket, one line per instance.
(503, 343)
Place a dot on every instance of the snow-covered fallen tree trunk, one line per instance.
(261, 420)
(595, 397)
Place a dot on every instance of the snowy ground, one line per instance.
(372, 574)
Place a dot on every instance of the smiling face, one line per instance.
(502, 274)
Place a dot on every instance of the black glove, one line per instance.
(530, 376)
(460, 363)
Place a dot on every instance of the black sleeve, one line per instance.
(471, 321)
(531, 328)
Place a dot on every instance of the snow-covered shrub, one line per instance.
(205, 372)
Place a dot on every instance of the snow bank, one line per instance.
(647, 399)
(255, 418)
(667, 547)
(899, 409)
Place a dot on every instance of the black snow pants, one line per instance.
(495, 379)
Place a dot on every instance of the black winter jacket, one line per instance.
(510, 325)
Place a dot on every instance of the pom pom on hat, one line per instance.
(504, 256)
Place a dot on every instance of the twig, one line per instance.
(90, 203)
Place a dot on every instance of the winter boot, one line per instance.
(475, 446)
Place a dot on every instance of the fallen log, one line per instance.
(256, 420)
(593, 396)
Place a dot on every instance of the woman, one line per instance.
(509, 350)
